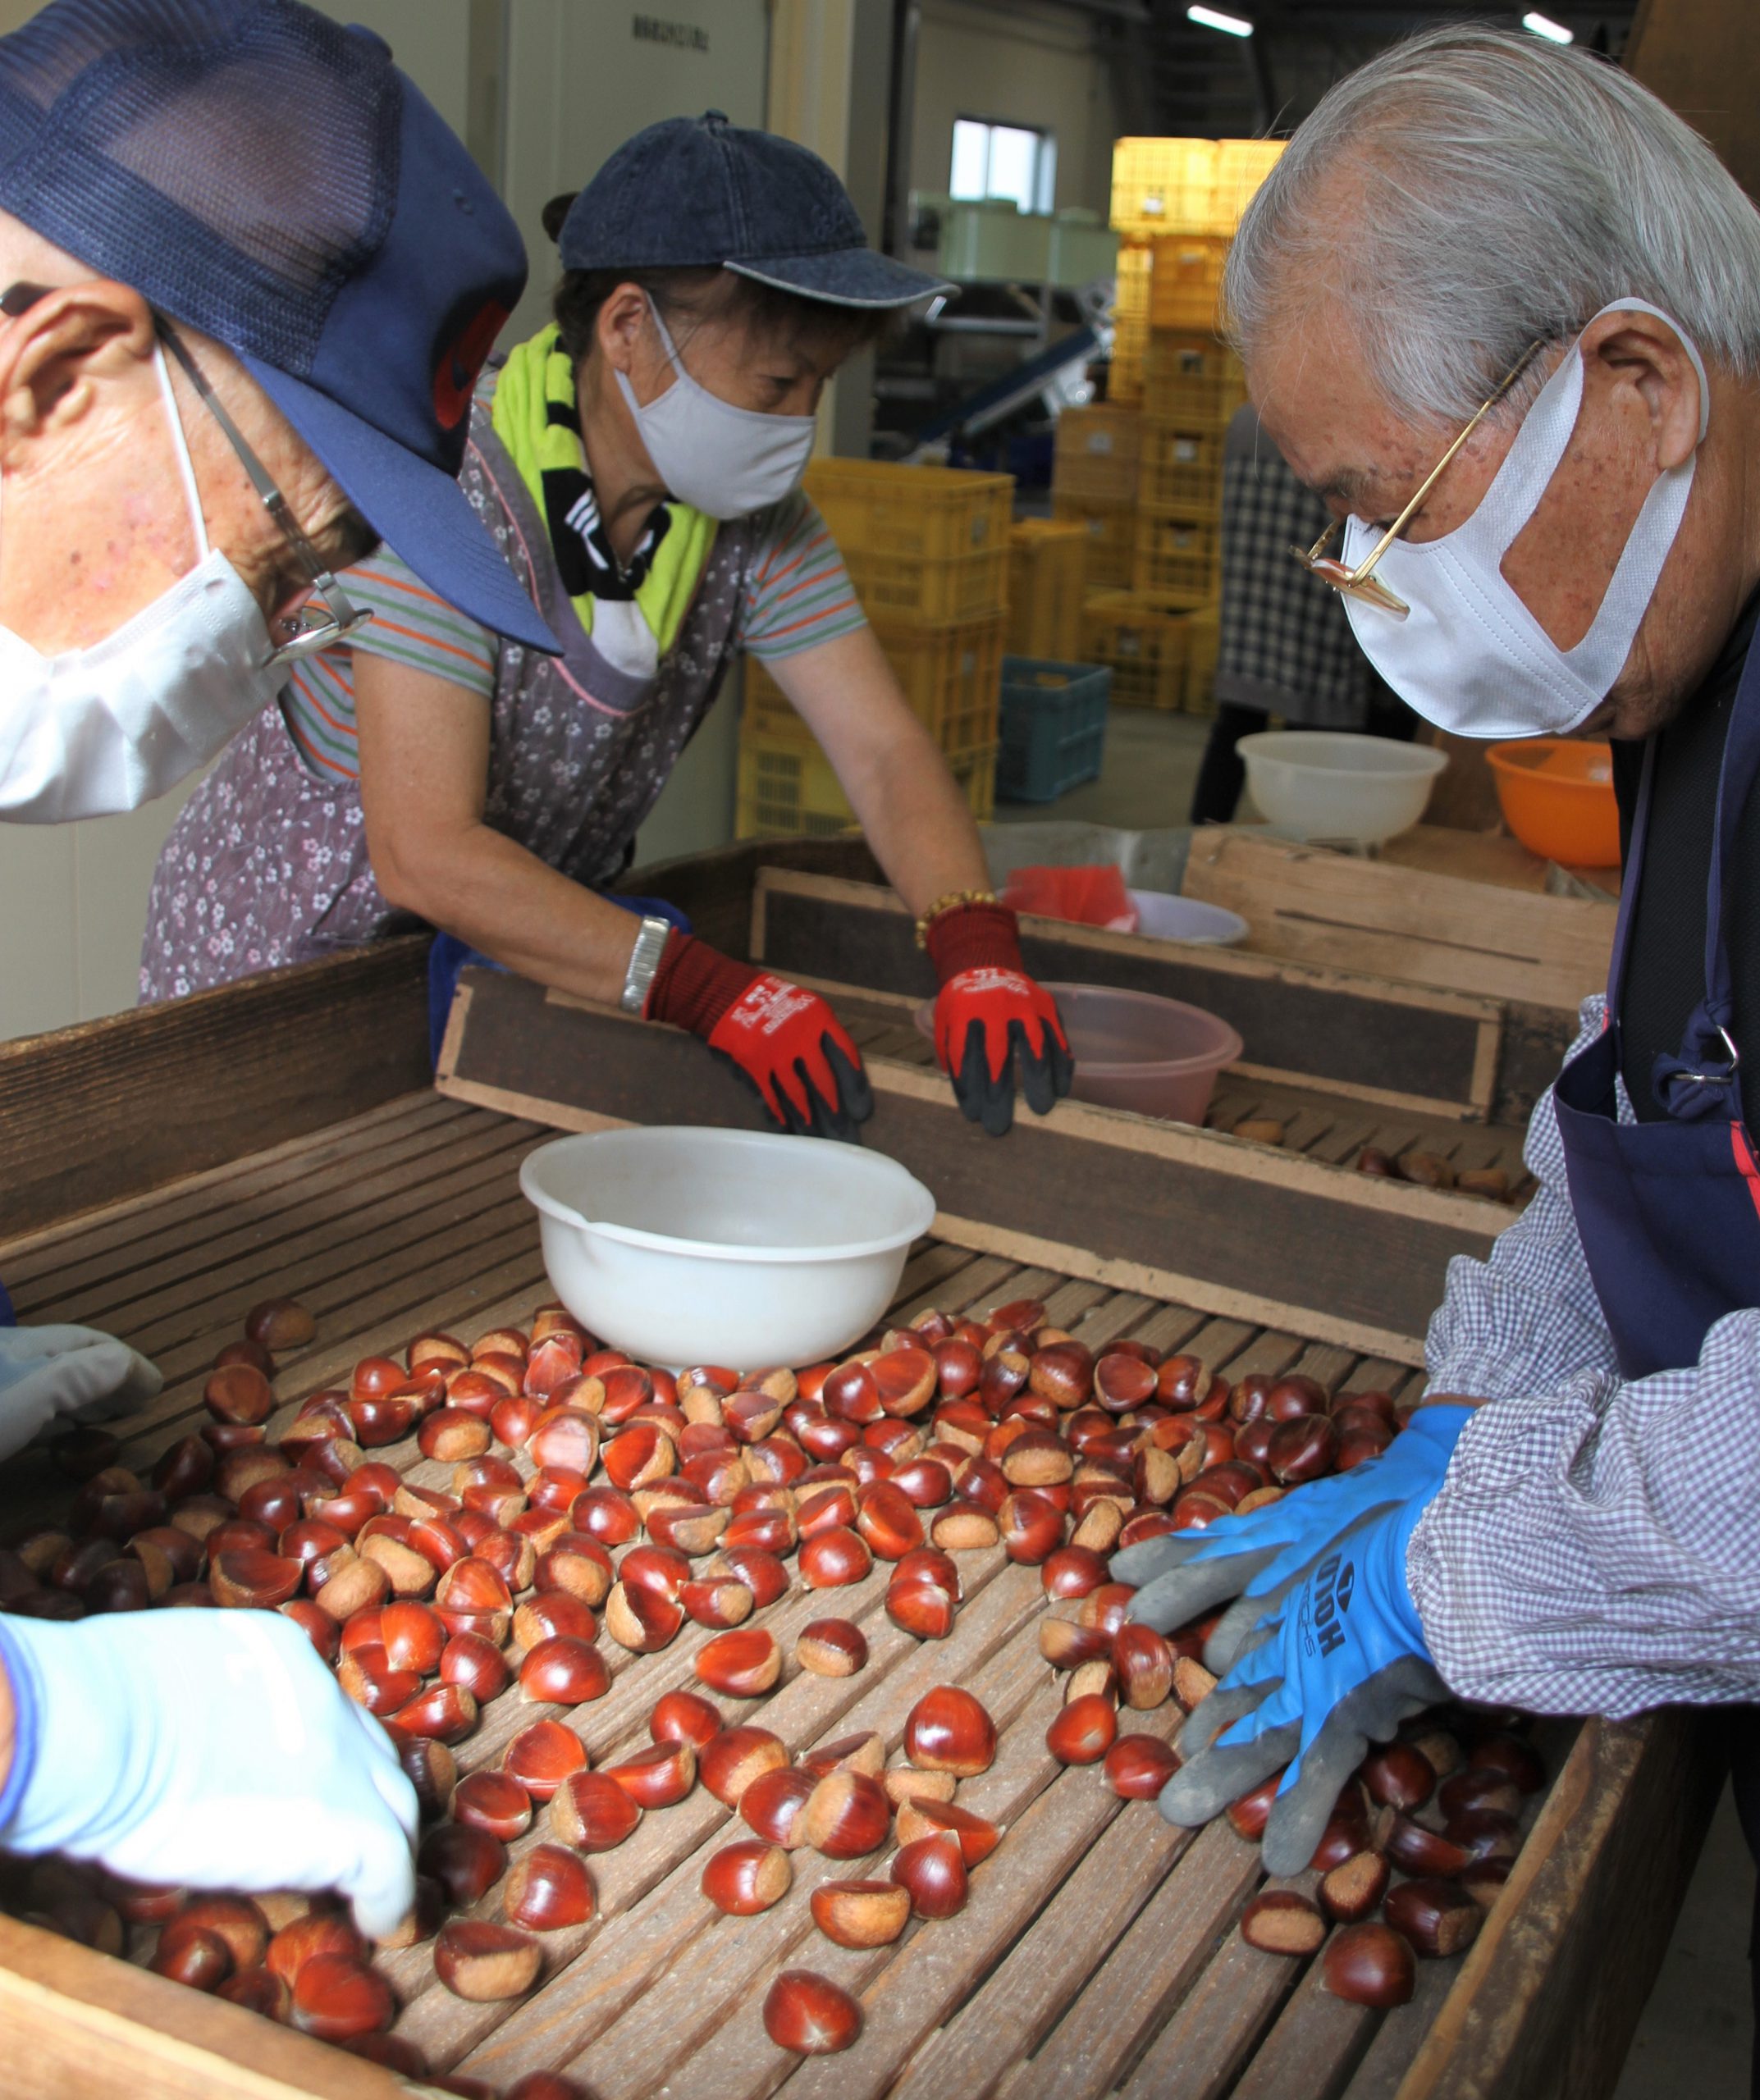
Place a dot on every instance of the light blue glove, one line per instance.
(206, 1750)
(1256, 1559)
(1336, 1659)
(66, 1374)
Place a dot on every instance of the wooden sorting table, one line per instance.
(1099, 1953)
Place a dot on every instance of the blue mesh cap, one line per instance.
(257, 171)
(699, 192)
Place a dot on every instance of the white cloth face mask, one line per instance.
(723, 461)
(1469, 656)
(90, 733)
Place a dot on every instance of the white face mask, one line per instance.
(723, 461)
(1469, 656)
(88, 733)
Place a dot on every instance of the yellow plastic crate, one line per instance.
(1185, 279)
(788, 790)
(1112, 538)
(1048, 579)
(1180, 468)
(923, 513)
(1097, 451)
(1186, 185)
(952, 676)
(1203, 640)
(1143, 647)
(1130, 324)
(931, 590)
(1191, 379)
(1178, 558)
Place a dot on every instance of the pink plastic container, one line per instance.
(1135, 1050)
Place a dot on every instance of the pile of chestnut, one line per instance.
(586, 1491)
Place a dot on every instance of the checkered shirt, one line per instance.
(1594, 1547)
(1286, 644)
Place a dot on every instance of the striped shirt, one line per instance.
(798, 596)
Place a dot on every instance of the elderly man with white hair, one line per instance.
(248, 278)
(1501, 309)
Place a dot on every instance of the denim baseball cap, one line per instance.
(270, 178)
(699, 192)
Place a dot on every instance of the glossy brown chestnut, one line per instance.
(335, 1995)
(743, 1664)
(947, 1730)
(1144, 1662)
(1418, 1850)
(1440, 1918)
(238, 1393)
(465, 1861)
(552, 1614)
(656, 1777)
(774, 1805)
(1517, 1760)
(1370, 1965)
(978, 1837)
(731, 1759)
(1398, 1775)
(564, 1672)
(1352, 1890)
(1139, 1766)
(541, 1757)
(933, 1869)
(832, 1558)
(547, 1889)
(443, 1713)
(236, 1919)
(860, 1914)
(920, 1607)
(640, 1619)
(592, 1813)
(684, 1717)
(258, 1991)
(747, 1877)
(865, 1751)
(482, 1961)
(199, 1960)
(494, 1801)
(1280, 1921)
(412, 1636)
(810, 2015)
(278, 1324)
(847, 1816)
(831, 1647)
(1083, 1731)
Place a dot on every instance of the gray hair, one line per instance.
(1473, 190)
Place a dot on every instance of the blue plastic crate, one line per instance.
(1052, 729)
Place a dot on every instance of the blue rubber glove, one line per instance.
(206, 1750)
(1255, 1559)
(1336, 1660)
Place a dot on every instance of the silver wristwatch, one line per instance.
(644, 960)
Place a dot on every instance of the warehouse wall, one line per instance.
(1024, 65)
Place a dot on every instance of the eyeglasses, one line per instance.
(1361, 581)
(339, 618)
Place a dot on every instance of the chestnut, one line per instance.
(656, 1777)
(1352, 1890)
(200, 1960)
(865, 1751)
(430, 1769)
(412, 1636)
(591, 1812)
(494, 1801)
(1139, 1766)
(482, 1961)
(847, 1816)
(775, 1804)
(258, 1991)
(552, 1614)
(252, 1579)
(831, 1647)
(446, 1713)
(465, 1861)
(1439, 1917)
(1084, 1730)
(1304, 1447)
(920, 1607)
(947, 1730)
(1144, 1662)
(683, 1717)
(933, 1869)
(922, 1817)
(564, 1671)
(718, 1600)
(747, 1877)
(729, 1762)
(548, 1889)
(335, 1995)
(641, 1620)
(860, 1914)
(1250, 1813)
(541, 1757)
(1517, 1760)
(810, 2015)
(833, 1558)
(279, 1324)
(1280, 1921)
(1072, 1571)
(1398, 1775)
(1370, 1965)
(1422, 1851)
(743, 1664)
(238, 1393)
(236, 1919)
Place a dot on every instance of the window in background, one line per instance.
(1010, 160)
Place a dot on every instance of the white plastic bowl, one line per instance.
(735, 1246)
(1322, 784)
(1165, 918)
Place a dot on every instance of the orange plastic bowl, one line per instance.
(1557, 797)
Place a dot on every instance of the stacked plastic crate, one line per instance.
(1176, 203)
(928, 552)
(1094, 479)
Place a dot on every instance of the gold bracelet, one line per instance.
(951, 902)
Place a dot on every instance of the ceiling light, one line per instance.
(1212, 18)
(1544, 25)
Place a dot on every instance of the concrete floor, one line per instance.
(1697, 2032)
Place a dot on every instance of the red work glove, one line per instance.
(784, 1042)
(991, 1017)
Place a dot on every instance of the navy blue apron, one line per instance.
(1669, 1212)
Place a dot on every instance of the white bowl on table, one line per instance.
(740, 1247)
(1162, 917)
(1327, 785)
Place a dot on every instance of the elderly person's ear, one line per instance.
(53, 355)
(1640, 351)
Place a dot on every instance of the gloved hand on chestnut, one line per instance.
(66, 1374)
(206, 1749)
(1322, 1654)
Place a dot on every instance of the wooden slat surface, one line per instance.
(1099, 1954)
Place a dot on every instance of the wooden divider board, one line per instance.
(1099, 1952)
(1323, 906)
(1126, 1199)
(1395, 1046)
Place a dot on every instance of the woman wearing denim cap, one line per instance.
(639, 462)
